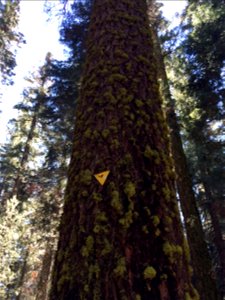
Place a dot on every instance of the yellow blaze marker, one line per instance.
(101, 177)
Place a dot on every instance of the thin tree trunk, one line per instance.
(122, 239)
(201, 261)
(23, 273)
(219, 242)
(42, 286)
(26, 153)
(218, 237)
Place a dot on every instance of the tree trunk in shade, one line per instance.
(200, 258)
(22, 275)
(43, 283)
(17, 190)
(122, 239)
(219, 243)
(218, 240)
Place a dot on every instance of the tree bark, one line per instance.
(220, 244)
(213, 205)
(200, 258)
(218, 236)
(122, 239)
(22, 275)
(42, 286)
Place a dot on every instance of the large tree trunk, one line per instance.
(123, 239)
(199, 253)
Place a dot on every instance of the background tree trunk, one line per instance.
(200, 258)
(23, 272)
(217, 233)
(43, 283)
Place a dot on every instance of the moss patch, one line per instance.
(129, 189)
(149, 273)
(120, 269)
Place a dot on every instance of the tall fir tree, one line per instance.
(40, 122)
(29, 191)
(199, 88)
(122, 239)
(202, 265)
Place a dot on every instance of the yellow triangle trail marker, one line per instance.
(101, 177)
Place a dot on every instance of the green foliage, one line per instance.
(11, 251)
(9, 18)
(40, 170)
(20, 244)
(27, 172)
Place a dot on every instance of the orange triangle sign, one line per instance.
(101, 177)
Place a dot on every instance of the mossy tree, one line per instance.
(122, 240)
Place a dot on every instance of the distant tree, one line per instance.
(201, 261)
(198, 87)
(15, 232)
(9, 18)
(40, 122)
(123, 239)
(20, 150)
(27, 181)
(65, 75)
